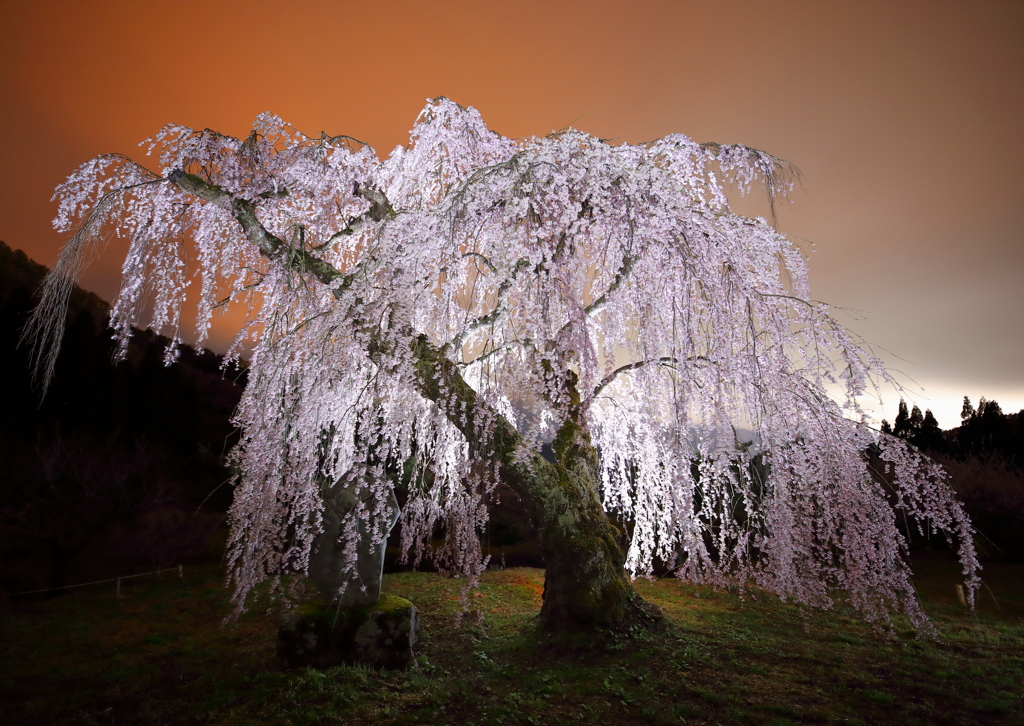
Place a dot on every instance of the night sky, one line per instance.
(904, 117)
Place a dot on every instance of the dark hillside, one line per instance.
(100, 474)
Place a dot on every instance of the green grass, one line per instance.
(159, 655)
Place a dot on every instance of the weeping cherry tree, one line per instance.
(472, 298)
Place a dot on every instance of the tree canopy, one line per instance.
(471, 297)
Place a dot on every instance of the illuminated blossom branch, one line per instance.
(452, 308)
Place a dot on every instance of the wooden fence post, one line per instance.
(117, 587)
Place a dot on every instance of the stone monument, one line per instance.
(357, 626)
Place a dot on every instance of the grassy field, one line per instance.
(158, 655)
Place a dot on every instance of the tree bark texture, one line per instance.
(585, 583)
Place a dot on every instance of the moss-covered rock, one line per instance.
(381, 635)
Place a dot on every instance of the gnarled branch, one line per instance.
(269, 245)
(437, 377)
(667, 361)
(494, 315)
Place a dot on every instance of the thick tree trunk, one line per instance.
(585, 583)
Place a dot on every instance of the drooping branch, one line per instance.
(483, 258)
(437, 377)
(500, 307)
(498, 351)
(273, 247)
(269, 245)
(778, 175)
(44, 331)
(354, 227)
(667, 361)
(621, 275)
(380, 208)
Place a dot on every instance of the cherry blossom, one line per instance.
(566, 280)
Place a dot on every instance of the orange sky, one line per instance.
(903, 116)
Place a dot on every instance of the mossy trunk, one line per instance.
(585, 582)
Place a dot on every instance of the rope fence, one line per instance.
(181, 574)
(117, 580)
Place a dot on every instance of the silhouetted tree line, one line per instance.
(984, 431)
(987, 430)
(984, 458)
(110, 444)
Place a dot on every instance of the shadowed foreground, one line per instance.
(158, 655)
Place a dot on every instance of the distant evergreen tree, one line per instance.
(916, 419)
(902, 427)
(967, 411)
(930, 437)
(987, 431)
(921, 430)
